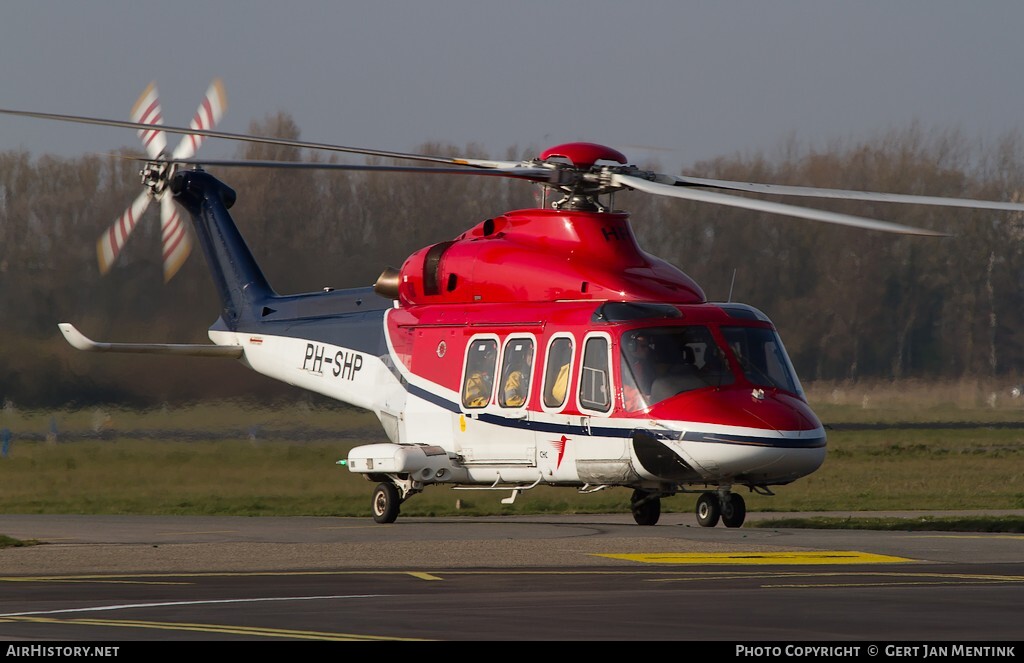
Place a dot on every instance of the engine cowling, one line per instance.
(539, 255)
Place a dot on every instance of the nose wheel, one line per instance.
(734, 510)
(727, 507)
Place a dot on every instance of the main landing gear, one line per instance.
(389, 494)
(729, 507)
(386, 503)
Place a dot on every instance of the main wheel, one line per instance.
(708, 510)
(385, 503)
(646, 508)
(734, 511)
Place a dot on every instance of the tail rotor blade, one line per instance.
(147, 111)
(110, 243)
(210, 111)
(177, 244)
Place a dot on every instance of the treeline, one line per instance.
(850, 304)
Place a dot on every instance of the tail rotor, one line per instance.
(175, 237)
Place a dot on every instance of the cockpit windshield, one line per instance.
(660, 362)
(764, 361)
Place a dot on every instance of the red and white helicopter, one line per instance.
(542, 347)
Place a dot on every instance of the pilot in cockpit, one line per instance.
(640, 360)
(638, 370)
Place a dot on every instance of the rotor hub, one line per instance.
(581, 180)
(583, 155)
(156, 175)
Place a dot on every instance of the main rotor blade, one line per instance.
(841, 194)
(455, 161)
(521, 172)
(687, 193)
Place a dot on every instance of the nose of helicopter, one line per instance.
(740, 406)
(744, 436)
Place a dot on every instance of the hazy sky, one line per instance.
(695, 79)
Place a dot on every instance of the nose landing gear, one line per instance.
(722, 504)
(712, 507)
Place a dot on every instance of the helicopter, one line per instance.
(540, 347)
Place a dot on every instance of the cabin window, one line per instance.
(479, 381)
(517, 367)
(594, 378)
(556, 372)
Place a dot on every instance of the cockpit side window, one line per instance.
(595, 379)
(636, 368)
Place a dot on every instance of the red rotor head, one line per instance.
(583, 155)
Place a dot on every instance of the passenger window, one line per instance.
(556, 372)
(594, 381)
(479, 381)
(517, 367)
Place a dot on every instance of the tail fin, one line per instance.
(243, 288)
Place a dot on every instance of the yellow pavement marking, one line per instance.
(815, 557)
(210, 628)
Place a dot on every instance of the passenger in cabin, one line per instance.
(559, 387)
(479, 375)
(517, 380)
(478, 390)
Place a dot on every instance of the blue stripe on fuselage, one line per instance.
(594, 431)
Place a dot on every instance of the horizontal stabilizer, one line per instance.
(80, 341)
